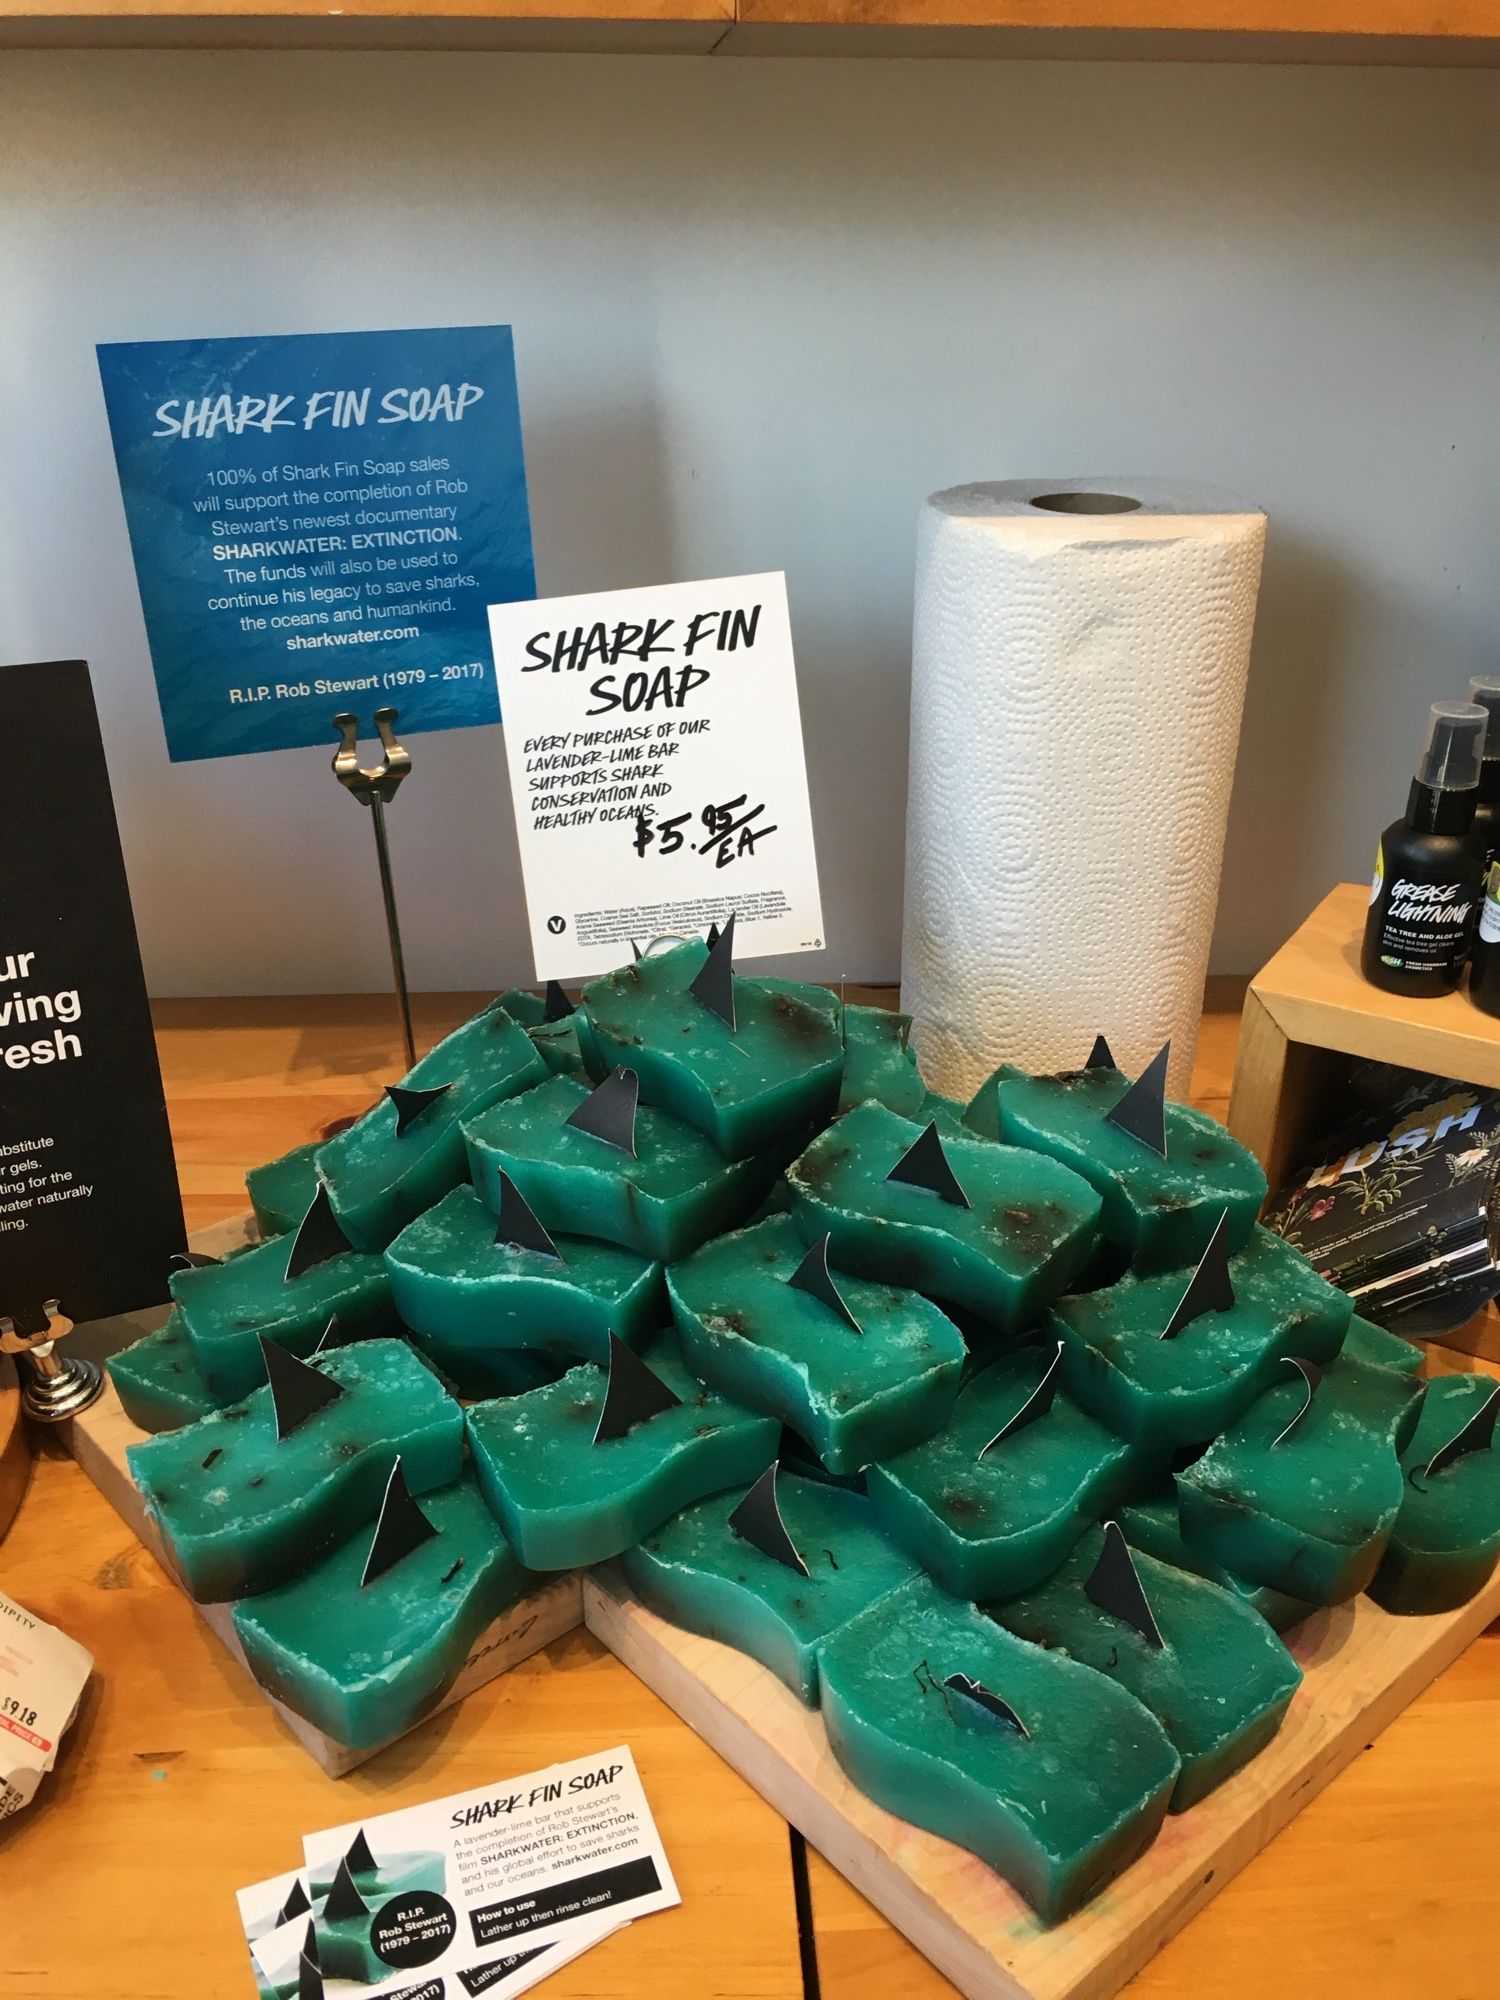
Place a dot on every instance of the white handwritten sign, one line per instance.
(655, 754)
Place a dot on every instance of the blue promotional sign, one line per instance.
(319, 522)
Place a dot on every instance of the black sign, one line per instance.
(581, 1896)
(89, 1209)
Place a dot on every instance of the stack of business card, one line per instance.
(482, 1893)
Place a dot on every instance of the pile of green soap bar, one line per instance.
(1001, 1433)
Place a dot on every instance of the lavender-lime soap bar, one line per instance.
(770, 1076)
(241, 1510)
(463, 1294)
(987, 1519)
(1364, 1341)
(1209, 1668)
(281, 1191)
(405, 1153)
(878, 1061)
(856, 1391)
(1152, 1526)
(698, 1572)
(662, 1202)
(1161, 1211)
(1058, 1806)
(1018, 1231)
(227, 1307)
(565, 1501)
(364, 1664)
(1166, 1392)
(1309, 1509)
(1446, 1540)
(158, 1380)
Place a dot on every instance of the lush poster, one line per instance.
(319, 522)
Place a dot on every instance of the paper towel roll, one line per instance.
(1079, 652)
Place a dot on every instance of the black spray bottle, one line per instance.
(1484, 962)
(1429, 866)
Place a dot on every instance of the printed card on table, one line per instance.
(654, 744)
(487, 1891)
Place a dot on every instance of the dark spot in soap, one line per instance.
(349, 1448)
(580, 1410)
(1018, 1217)
(234, 1413)
(1168, 1204)
(734, 1321)
(452, 1572)
(704, 1431)
(797, 1605)
(799, 1018)
(1205, 1152)
(258, 1480)
(215, 1454)
(832, 1558)
(177, 1368)
(964, 1505)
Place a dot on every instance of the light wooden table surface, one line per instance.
(177, 1786)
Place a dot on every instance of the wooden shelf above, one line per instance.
(1464, 33)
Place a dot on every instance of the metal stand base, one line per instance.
(52, 1390)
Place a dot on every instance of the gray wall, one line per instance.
(761, 309)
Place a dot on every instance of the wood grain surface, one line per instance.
(178, 1785)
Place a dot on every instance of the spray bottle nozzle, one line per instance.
(1455, 745)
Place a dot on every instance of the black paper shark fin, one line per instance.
(1210, 1288)
(1037, 1404)
(344, 1900)
(557, 1006)
(1099, 1056)
(1478, 1434)
(410, 1103)
(757, 1520)
(634, 1395)
(713, 936)
(1312, 1375)
(297, 1391)
(309, 1966)
(924, 1164)
(985, 1698)
(297, 1904)
(813, 1277)
(194, 1260)
(1115, 1586)
(310, 1949)
(518, 1228)
(361, 1861)
(635, 952)
(319, 1236)
(331, 1337)
(608, 1112)
(714, 985)
(1142, 1111)
(401, 1528)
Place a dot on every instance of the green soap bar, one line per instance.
(947, 1114)
(878, 1062)
(982, 1112)
(1060, 1811)
(1152, 1526)
(556, 1042)
(1165, 1393)
(226, 1307)
(766, 1079)
(241, 1511)
(853, 1396)
(565, 1501)
(527, 1010)
(365, 1664)
(346, 1950)
(991, 1526)
(675, 1193)
(1026, 1233)
(698, 1572)
(453, 1282)
(1446, 1540)
(1365, 1341)
(392, 1875)
(376, 1181)
(1310, 1516)
(1163, 1211)
(158, 1380)
(498, 1371)
(281, 1191)
(1219, 1684)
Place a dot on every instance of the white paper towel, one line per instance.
(1078, 673)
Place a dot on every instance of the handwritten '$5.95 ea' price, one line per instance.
(730, 828)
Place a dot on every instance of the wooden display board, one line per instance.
(1361, 1667)
(15, 1445)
